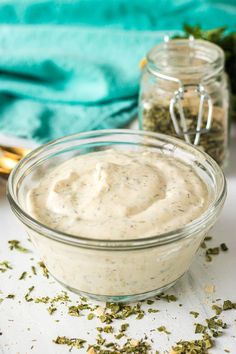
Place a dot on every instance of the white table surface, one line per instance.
(28, 328)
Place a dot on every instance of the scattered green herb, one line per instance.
(208, 258)
(163, 329)
(60, 298)
(131, 346)
(27, 295)
(199, 328)
(23, 276)
(195, 314)
(71, 342)
(168, 298)
(51, 309)
(34, 270)
(215, 325)
(150, 302)
(124, 327)
(44, 300)
(4, 266)
(211, 252)
(99, 329)
(223, 247)
(217, 309)
(153, 311)
(198, 346)
(44, 269)
(140, 315)
(83, 298)
(75, 310)
(120, 311)
(108, 329)
(15, 244)
(90, 316)
(100, 340)
(228, 305)
(208, 238)
(213, 328)
(119, 335)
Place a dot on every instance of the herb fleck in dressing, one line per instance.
(119, 195)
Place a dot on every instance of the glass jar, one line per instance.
(184, 93)
(108, 269)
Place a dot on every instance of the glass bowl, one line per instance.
(115, 270)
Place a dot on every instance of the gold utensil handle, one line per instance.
(9, 157)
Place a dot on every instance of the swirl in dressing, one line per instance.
(119, 195)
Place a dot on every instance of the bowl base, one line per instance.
(120, 298)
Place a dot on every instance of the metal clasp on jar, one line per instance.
(180, 124)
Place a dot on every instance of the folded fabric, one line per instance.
(42, 122)
(123, 14)
(56, 81)
(68, 67)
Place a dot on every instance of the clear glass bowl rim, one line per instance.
(117, 245)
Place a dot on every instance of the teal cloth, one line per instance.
(72, 66)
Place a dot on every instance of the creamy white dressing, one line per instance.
(119, 195)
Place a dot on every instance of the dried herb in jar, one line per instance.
(156, 118)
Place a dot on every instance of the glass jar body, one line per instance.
(159, 86)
